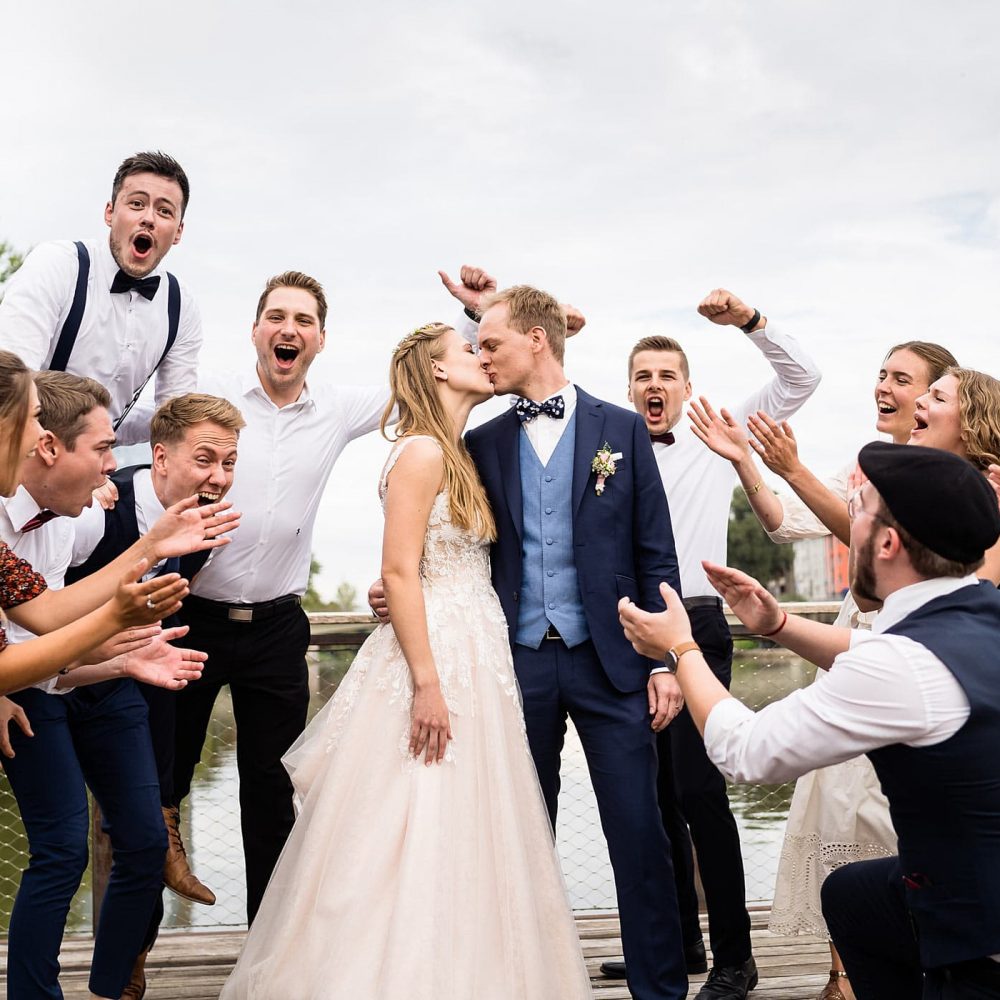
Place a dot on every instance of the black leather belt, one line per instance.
(243, 612)
(552, 632)
(702, 602)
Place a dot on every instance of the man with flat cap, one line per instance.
(920, 695)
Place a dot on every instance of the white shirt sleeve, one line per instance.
(36, 300)
(362, 408)
(798, 521)
(883, 690)
(796, 376)
(88, 530)
(467, 329)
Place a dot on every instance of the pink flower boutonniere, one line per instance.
(604, 465)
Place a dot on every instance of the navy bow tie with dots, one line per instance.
(528, 409)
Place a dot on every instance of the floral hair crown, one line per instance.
(409, 340)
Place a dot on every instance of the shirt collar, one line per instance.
(907, 599)
(250, 385)
(146, 499)
(20, 508)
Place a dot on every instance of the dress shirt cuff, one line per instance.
(661, 670)
(720, 727)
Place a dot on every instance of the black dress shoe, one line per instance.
(694, 959)
(729, 982)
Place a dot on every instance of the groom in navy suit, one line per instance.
(571, 542)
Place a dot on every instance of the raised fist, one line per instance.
(726, 309)
(575, 320)
(475, 284)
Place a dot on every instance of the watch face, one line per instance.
(670, 661)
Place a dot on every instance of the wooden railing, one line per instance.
(348, 630)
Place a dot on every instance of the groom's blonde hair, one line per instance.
(529, 307)
(413, 389)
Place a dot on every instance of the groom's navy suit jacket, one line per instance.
(622, 540)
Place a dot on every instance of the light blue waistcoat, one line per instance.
(550, 591)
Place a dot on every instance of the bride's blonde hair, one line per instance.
(413, 389)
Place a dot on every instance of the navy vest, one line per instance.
(945, 799)
(121, 529)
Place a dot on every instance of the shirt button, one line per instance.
(548, 541)
(550, 572)
(548, 479)
(552, 605)
(548, 510)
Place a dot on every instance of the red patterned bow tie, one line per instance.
(42, 517)
(667, 438)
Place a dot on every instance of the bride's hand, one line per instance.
(431, 724)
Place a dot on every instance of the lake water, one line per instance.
(212, 832)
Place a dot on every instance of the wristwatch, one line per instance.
(675, 653)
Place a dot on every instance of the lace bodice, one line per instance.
(453, 557)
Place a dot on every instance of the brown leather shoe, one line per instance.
(177, 874)
(136, 988)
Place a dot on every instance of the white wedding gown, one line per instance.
(405, 881)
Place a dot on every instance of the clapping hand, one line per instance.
(474, 284)
(775, 443)
(721, 434)
(752, 603)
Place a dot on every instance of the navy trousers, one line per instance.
(866, 913)
(692, 794)
(96, 736)
(621, 754)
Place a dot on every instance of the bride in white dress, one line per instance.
(422, 864)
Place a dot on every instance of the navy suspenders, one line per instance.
(67, 335)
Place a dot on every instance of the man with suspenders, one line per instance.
(108, 310)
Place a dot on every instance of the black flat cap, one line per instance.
(942, 500)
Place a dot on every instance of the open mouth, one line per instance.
(285, 355)
(142, 244)
(205, 498)
(919, 423)
(885, 409)
(654, 407)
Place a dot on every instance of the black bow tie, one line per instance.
(42, 517)
(528, 409)
(667, 438)
(146, 287)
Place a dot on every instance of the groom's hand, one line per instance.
(665, 700)
(474, 284)
(377, 601)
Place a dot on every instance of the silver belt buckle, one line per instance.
(241, 614)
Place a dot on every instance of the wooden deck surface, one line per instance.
(193, 966)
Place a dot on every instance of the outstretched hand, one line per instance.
(720, 433)
(473, 286)
(164, 665)
(751, 602)
(187, 527)
(138, 603)
(775, 443)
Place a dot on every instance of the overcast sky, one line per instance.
(836, 164)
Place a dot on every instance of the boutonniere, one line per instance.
(604, 465)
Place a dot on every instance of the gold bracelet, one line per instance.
(753, 489)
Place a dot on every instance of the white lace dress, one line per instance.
(838, 814)
(405, 881)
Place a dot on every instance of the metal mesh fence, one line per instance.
(211, 824)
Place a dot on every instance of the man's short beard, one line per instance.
(863, 576)
(116, 252)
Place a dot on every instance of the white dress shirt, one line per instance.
(47, 549)
(885, 689)
(88, 528)
(545, 432)
(699, 484)
(285, 458)
(121, 336)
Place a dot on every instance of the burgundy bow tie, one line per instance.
(42, 517)
(667, 438)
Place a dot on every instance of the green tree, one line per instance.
(10, 261)
(346, 598)
(752, 551)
